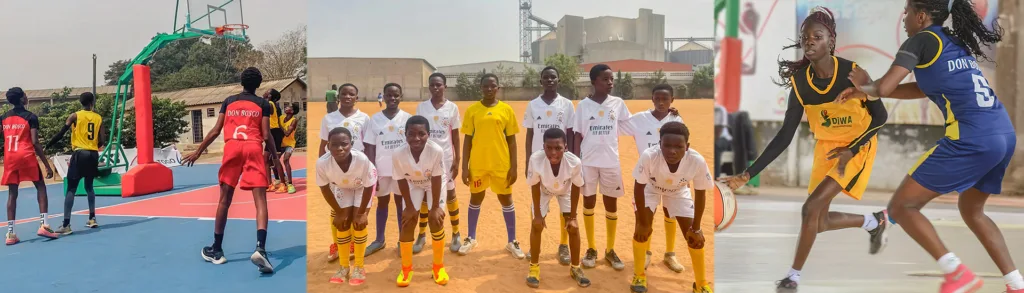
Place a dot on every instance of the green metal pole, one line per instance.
(732, 18)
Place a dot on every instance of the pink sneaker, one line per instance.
(12, 239)
(45, 231)
(1008, 290)
(961, 281)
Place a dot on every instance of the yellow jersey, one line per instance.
(489, 126)
(288, 140)
(829, 121)
(86, 132)
(275, 117)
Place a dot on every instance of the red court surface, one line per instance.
(202, 204)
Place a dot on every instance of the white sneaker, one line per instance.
(513, 247)
(467, 246)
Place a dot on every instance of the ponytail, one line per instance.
(787, 68)
(967, 29)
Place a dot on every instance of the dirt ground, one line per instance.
(489, 267)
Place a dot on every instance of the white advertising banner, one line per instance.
(169, 156)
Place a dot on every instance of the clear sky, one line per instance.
(468, 31)
(49, 44)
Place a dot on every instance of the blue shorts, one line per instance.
(958, 165)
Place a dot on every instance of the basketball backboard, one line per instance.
(206, 16)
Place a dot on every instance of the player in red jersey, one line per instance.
(21, 148)
(245, 119)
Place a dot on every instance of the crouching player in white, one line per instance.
(555, 173)
(349, 177)
(663, 174)
(419, 170)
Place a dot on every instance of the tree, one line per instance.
(114, 71)
(467, 89)
(657, 78)
(531, 78)
(568, 69)
(168, 124)
(280, 58)
(703, 84)
(505, 76)
(623, 86)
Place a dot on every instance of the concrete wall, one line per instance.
(610, 28)
(899, 147)
(369, 74)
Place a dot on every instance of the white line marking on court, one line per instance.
(234, 203)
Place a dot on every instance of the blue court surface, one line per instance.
(156, 248)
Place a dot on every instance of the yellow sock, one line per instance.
(588, 224)
(406, 248)
(639, 255)
(670, 234)
(697, 257)
(359, 237)
(612, 220)
(344, 238)
(438, 247)
(453, 214)
(424, 214)
(334, 230)
(565, 233)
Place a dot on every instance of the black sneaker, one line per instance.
(259, 258)
(785, 286)
(216, 256)
(879, 235)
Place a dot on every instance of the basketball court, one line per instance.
(489, 267)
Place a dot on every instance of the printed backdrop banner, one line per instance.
(169, 156)
(868, 32)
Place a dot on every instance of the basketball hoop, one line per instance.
(220, 30)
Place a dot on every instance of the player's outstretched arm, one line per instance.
(884, 86)
(191, 158)
(781, 141)
(63, 130)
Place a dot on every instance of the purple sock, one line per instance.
(474, 215)
(510, 221)
(382, 221)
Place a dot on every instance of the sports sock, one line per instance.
(870, 222)
(948, 263)
(697, 257)
(565, 232)
(1014, 280)
(42, 218)
(359, 237)
(670, 234)
(382, 222)
(794, 275)
(261, 238)
(453, 214)
(10, 226)
(406, 249)
(612, 220)
(588, 224)
(535, 271)
(343, 240)
(474, 215)
(640, 252)
(334, 230)
(438, 246)
(509, 213)
(423, 220)
(217, 240)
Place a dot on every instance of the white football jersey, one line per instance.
(541, 116)
(570, 171)
(356, 124)
(361, 172)
(652, 170)
(387, 135)
(645, 128)
(442, 122)
(600, 125)
(419, 173)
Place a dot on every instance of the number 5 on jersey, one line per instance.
(982, 91)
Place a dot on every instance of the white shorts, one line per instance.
(610, 180)
(419, 196)
(387, 185)
(347, 197)
(564, 203)
(676, 206)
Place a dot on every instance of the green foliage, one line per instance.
(52, 118)
(114, 71)
(468, 90)
(656, 79)
(703, 84)
(191, 63)
(300, 132)
(505, 76)
(623, 85)
(568, 69)
(168, 124)
(681, 91)
(531, 78)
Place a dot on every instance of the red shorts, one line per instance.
(18, 170)
(245, 161)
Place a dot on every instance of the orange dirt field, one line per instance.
(489, 268)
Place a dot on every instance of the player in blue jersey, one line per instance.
(972, 158)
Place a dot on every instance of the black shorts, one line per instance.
(84, 164)
(278, 135)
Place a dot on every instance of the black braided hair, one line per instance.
(788, 68)
(968, 30)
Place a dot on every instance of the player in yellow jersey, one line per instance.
(290, 123)
(490, 127)
(85, 140)
(278, 134)
(846, 144)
